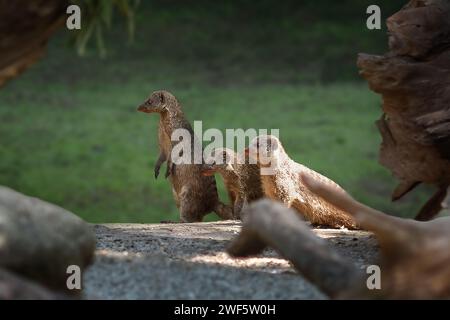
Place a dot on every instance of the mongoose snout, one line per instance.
(143, 108)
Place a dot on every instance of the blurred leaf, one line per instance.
(82, 37)
(99, 15)
(100, 43)
(106, 12)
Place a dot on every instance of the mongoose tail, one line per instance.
(433, 206)
(387, 227)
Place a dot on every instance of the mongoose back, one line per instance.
(242, 180)
(195, 195)
(283, 183)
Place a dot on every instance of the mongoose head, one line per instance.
(159, 101)
(264, 149)
(221, 160)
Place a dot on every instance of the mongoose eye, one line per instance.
(161, 98)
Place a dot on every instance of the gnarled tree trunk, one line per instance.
(414, 80)
(25, 27)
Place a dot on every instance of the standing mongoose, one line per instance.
(281, 181)
(195, 195)
(242, 180)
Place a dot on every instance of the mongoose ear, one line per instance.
(162, 99)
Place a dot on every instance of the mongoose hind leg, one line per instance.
(187, 216)
(223, 211)
(188, 212)
(238, 206)
(170, 169)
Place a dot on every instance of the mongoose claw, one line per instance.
(156, 173)
(170, 170)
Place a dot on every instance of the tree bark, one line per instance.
(25, 27)
(414, 81)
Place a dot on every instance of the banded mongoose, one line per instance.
(242, 180)
(280, 176)
(195, 195)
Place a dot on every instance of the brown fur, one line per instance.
(285, 185)
(242, 180)
(195, 195)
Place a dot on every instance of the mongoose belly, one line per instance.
(197, 193)
(165, 145)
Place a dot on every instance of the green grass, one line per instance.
(70, 132)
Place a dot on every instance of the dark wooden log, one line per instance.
(414, 81)
(415, 256)
(269, 223)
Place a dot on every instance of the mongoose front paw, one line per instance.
(156, 172)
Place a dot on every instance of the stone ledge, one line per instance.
(188, 261)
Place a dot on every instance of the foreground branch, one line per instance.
(270, 223)
(414, 81)
(415, 256)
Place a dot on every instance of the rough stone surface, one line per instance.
(39, 240)
(188, 261)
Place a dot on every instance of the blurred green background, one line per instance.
(70, 133)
